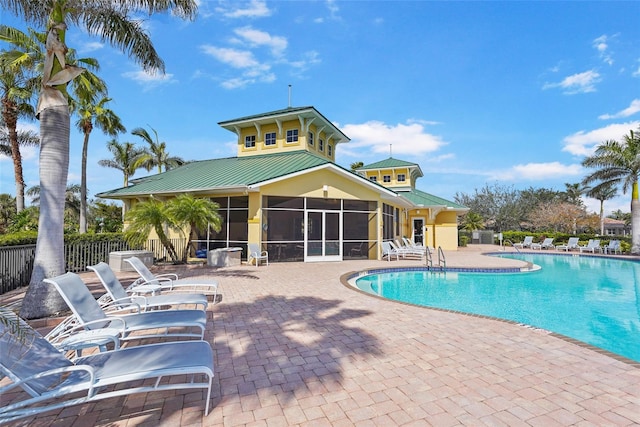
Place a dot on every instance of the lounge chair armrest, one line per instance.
(88, 369)
(121, 304)
(167, 276)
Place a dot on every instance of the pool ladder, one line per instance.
(514, 246)
(441, 264)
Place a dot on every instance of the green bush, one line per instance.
(30, 237)
(19, 238)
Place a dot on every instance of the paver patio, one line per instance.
(294, 346)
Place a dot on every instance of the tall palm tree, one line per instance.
(618, 163)
(602, 194)
(127, 158)
(117, 23)
(104, 119)
(24, 138)
(18, 84)
(196, 213)
(157, 155)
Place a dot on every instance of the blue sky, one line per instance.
(509, 93)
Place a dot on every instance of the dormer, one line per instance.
(392, 173)
(291, 129)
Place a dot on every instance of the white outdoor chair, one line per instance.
(90, 316)
(613, 246)
(571, 244)
(170, 281)
(526, 243)
(388, 251)
(546, 244)
(592, 246)
(51, 381)
(256, 254)
(116, 293)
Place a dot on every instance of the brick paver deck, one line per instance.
(294, 346)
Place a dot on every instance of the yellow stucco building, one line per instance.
(285, 192)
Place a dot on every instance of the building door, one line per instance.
(323, 237)
(418, 231)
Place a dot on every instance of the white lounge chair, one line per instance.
(406, 250)
(546, 244)
(388, 251)
(51, 381)
(257, 255)
(117, 294)
(571, 244)
(170, 281)
(526, 243)
(90, 316)
(612, 246)
(592, 246)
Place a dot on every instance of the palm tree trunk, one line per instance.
(635, 221)
(83, 186)
(10, 116)
(602, 217)
(41, 299)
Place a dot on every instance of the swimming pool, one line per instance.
(592, 299)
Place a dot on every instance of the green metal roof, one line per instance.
(291, 113)
(420, 198)
(231, 172)
(389, 163)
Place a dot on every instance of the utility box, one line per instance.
(224, 257)
(116, 259)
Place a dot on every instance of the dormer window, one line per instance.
(270, 138)
(310, 137)
(329, 149)
(321, 145)
(292, 136)
(402, 177)
(250, 141)
(386, 178)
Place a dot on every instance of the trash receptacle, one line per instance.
(116, 259)
(224, 257)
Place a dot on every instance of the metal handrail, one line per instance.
(514, 246)
(442, 262)
(429, 258)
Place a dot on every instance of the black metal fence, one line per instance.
(16, 262)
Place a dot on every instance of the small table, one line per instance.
(92, 338)
(146, 289)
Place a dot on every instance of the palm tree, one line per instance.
(17, 87)
(7, 210)
(356, 165)
(147, 216)
(157, 154)
(472, 221)
(602, 194)
(127, 158)
(618, 163)
(24, 138)
(115, 22)
(106, 120)
(196, 213)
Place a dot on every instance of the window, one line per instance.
(321, 145)
(292, 136)
(310, 137)
(386, 178)
(402, 177)
(250, 141)
(270, 138)
(373, 178)
(329, 149)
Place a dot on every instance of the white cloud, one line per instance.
(632, 109)
(277, 44)
(378, 137)
(543, 171)
(577, 83)
(584, 143)
(601, 45)
(252, 9)
(90, 47)
(149, 80)
(636, 73)
(233, 57)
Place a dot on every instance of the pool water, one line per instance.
(592, 299)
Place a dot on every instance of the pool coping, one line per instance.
(349, 276)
